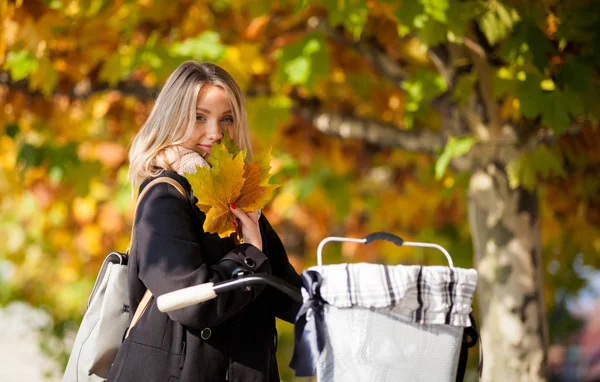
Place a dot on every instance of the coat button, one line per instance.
(249, 262)
(205, 333)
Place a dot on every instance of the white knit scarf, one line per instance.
(181, 160)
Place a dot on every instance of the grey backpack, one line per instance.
(106, 321)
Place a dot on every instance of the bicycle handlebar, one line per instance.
(203, 292)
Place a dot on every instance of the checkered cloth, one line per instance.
(417, 294)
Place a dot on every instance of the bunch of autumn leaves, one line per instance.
(231, 180)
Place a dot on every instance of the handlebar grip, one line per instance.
(384, 236)
(185, 297)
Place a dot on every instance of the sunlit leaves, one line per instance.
(436, 20)
(497, 21)
(304, 62)
(454, 148)
(205, 47)
(421, 88)
(528, 41)
(351, 14)
(543, 162)
(20, 64)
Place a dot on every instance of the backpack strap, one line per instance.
(148, 295)
(162, 179)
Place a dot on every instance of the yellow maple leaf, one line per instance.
(256, 190)
(216, 187)
(230, 180)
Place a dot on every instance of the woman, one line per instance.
(229, 338)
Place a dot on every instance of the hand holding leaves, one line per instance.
(231, 180)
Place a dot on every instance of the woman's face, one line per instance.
(213, 116)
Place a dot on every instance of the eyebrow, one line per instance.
(208, 111)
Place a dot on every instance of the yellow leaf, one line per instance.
(44, 78)
(217, 187)
(256, 191)
(230, 180)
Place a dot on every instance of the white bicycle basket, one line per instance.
(378, 323)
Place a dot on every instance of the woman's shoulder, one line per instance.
(166, 182)
(181, 180)
(172, 193)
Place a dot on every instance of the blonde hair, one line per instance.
(173, 117)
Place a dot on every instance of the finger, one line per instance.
(241, 215)
(253, 215)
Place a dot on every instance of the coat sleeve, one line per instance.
(169, 257)
(282, 306)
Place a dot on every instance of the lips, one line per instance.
(206, 148)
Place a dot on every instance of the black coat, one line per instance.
(231, 337)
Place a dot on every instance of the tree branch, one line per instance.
(85, 89)
(486, 82)
(384, 64)
(369, 130)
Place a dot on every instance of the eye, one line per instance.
(227, 120)
(200, 117)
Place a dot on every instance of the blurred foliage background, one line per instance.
(377, 112)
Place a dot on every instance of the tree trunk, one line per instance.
(506, 236)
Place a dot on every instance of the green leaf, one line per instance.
(559, 107)
(433, 32)
(12, 129)
(206, 46)
(20, 64)
(30, 154)
(575, 73)
(527, 40)
(351, 14)
(304, 62)
(539, 46)
(460, 14)
(497, 22)
(411, 14)
(422, 87)
(437, 9)
(577, 21)
(532, 100)
(454, 148)
(543, 162)
(573, 103)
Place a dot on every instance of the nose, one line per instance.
(213, 131)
